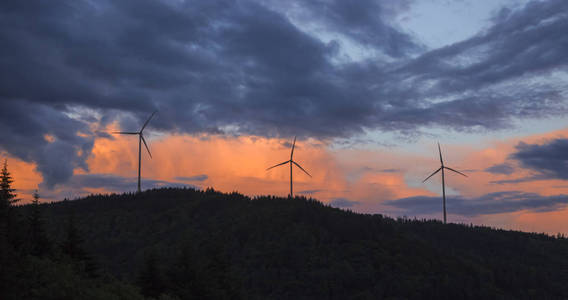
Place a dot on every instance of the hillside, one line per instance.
(206, 244)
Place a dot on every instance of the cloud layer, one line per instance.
(492, 203)
(84, 184)
(549, 160)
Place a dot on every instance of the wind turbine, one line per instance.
(442, 167)
(291, 162)
(140, 141)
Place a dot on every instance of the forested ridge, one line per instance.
(177, 243)
(187, 243)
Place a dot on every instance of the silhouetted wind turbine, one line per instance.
(442, 167)
(291, 162)
(140, 141)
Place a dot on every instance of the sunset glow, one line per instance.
(363, 179)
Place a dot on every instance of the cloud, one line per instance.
(201, 177)
(513, 181)
(492, 203)
(531, 178)
(343, 203)
(366, 22)
(23, 127)
(504, 168)
(390, 170)
(309, 192)
(117, 183)
(487, 80)
(549, 160)
(84, 184)
(257, 68)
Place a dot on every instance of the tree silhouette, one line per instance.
(7, 193)
(73, 247)
(8, 217)
(28, 267)
(39, 243)
(150, 279)
(213, 245)
(73, 241)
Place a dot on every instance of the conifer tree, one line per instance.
(9, 237)
(39, 243)
(150, 279)
(73, 248)
(7, 200)
(7, 193)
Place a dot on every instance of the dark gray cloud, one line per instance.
(343, 203)
(309, 192)
(503, 168)
(488, 79)
(534, 177)
(493, 203)
(117, 183)
(254, 67)
(549, 160)
(366, 22)
(513, 181)
(24, 126)
(84, 184)
(390, 170)
(200, 177)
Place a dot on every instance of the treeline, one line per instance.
(176, 243)
(189, 244)
(34, 265)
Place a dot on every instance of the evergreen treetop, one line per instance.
(7, 193)
(38, 239)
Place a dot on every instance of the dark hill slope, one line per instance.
(212, 245)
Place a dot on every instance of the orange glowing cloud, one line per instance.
(365, 177)
(239, 164)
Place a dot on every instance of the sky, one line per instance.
(368, 87)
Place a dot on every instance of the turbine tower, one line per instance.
(140, 141)
(291, 162)
(442, 167)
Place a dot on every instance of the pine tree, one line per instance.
(72, 244)
(8, 218)
(39, 243)
(150, 279)
(9, 234)
(182, 276)
(73, 248)
(7, 193)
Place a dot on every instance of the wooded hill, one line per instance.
(189, 244)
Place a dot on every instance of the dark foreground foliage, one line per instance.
(188, 244)
(35, 266)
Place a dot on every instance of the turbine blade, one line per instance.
(278, 165)
(432, 174)
(148, 121)
(440, 151)
(293, 146)
(124, 132)
(148, 149)
(297, 165)
(455, 171)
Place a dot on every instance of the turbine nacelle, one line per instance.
(442, 167)
(140, 133)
